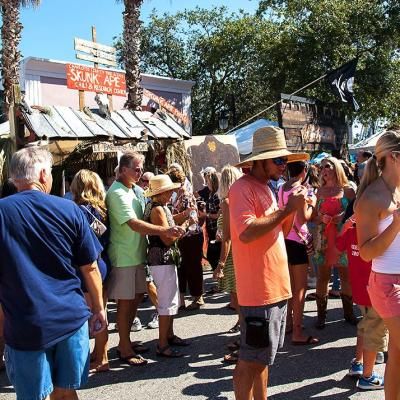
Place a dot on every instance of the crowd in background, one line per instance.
(155, 235)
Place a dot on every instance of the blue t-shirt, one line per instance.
(42, 240)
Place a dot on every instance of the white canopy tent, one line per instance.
(366, 144)
(244, 136)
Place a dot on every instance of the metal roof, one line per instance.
(59, 122)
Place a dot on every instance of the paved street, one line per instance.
(300, 372)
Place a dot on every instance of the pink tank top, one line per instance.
(282, 201)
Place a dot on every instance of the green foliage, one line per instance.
(244, 61)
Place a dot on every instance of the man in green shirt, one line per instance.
(128, 248)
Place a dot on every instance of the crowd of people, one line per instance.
(267, 228)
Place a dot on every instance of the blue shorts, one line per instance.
(34, 374)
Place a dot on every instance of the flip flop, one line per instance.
(232, 358)
(177, 341)
(308, 341)
(162, 352)
(100, 368)
(134, 360)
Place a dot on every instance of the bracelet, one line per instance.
(221, 264)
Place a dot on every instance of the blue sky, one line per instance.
(50, 29)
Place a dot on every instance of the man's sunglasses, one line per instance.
(280, 161)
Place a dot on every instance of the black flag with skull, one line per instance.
(341, 82)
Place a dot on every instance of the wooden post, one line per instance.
(13, 115)
(81, 100)
(96, 65)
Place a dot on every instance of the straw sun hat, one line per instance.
(159, 184)
(269, 142)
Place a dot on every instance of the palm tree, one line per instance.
(131, 52)
(11, 37)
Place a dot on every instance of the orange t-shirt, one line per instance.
(261, 267)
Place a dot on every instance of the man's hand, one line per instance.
(175, 232)
(297, 200)
(97, 323)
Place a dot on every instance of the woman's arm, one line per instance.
(226, 239)
(370, 242)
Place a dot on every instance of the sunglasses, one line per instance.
(328, 166)
(144, 180)
(280, 161)
(138, 170)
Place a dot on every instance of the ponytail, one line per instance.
(372, 172)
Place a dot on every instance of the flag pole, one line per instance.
(278, 102)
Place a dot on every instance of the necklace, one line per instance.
(391, 191)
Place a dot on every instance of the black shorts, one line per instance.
(296, 252)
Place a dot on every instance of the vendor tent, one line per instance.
(244, 136)
(366, 144)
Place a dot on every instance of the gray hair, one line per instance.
(128, 157)
(27, 163)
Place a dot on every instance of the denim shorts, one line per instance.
(34, 374)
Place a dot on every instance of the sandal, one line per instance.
(232, 358)
(134, 360)
(308, 341)
(194, 306)
(235, 328)
(311, 296)
(99, 368)
(234, 345)
(177, 341)
(167, 352)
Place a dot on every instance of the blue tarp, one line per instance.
(244, 136)
(317, 159)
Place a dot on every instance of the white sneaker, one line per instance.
(153, 324)
(136, 325)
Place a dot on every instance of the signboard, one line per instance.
(183, 119)
(318, 134)
(82, 77)
(106, 147)
(210, 151)
(95, 52)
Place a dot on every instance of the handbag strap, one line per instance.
(299, 234)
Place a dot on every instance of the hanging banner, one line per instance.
(82, 77)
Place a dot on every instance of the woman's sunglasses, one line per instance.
(280, 161)
(328, 166)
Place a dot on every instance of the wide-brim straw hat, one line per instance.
(269, 142)
(159, 184)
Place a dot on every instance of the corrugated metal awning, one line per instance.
(59, 122)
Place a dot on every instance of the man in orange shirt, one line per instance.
(258, 228)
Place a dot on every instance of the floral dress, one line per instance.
(326, 252)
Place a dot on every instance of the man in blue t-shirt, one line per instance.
(44, 241)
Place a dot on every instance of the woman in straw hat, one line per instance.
(163, 257)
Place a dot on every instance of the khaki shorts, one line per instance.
(372, 329)
(124, 283)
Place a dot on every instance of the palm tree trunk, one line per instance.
(131, 53)
(10, 55)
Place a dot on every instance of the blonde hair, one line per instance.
(88, 188)
(341, 178)
(389, 141)
(229, 175)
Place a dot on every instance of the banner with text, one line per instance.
(82, 77)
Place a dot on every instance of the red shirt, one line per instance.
(359, 269)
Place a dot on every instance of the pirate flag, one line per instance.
(341, 82)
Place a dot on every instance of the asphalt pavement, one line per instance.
(299, 373)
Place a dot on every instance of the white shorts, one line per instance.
(166, 280)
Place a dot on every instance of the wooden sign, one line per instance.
(95, 52)
(82, 77)
(107, 147)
